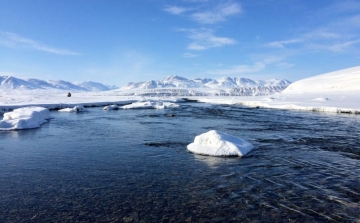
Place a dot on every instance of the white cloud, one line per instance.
(190, 55)
(316, 35)
(338, 33)
(335, 47)
(13, 40)
(321, 34)
(217, 14)
(254, 68)
(283, 43)
(204, 39)
(176, 10)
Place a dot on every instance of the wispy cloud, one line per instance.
(13, 40)
(190, 55)
(283, 43)
(213, 15)
(339, 32)
(310, 36)
(217, 14)
(335, 47)
(176, 10)
(204, 39)
(246, 69)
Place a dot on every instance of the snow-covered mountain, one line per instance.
(180, 86)
(13, 83)
(221, 83)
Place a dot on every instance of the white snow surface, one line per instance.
(150, 105)
(24, 118)
(74, 109)
(215, 143)
(342, 80)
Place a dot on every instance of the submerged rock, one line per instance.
(214, 143)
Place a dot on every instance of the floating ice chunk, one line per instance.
(214, 143)
(111, 107)
(74, 109)
(150, 105)
(24, 118)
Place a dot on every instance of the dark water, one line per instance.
(133, 166)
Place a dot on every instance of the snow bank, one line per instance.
(74, 109)
(150, 105)
(214, 143)
(342, 80)
(111, 107)
(24, 118)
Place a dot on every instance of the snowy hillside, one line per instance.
(13, 83)
(342, 80)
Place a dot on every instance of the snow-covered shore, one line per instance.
(330, 102)
(335, 102)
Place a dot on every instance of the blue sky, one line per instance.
(118, 41)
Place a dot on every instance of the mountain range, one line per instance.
(169, 86)
(13, 83)
(225, 86)
(221, 83)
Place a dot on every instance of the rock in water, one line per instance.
(214, 143)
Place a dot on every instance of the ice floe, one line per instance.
(150, 105)
(215, 143)
(24, 118)
(74, 109)
(111, 107)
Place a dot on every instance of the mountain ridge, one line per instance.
(175, 81)
(14, 83)
(225, 86)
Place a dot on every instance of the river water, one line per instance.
(133, 166)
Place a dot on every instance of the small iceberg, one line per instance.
(214, 143)
(24, 118)
(150, 105)
(74, 109)
(111, 107)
